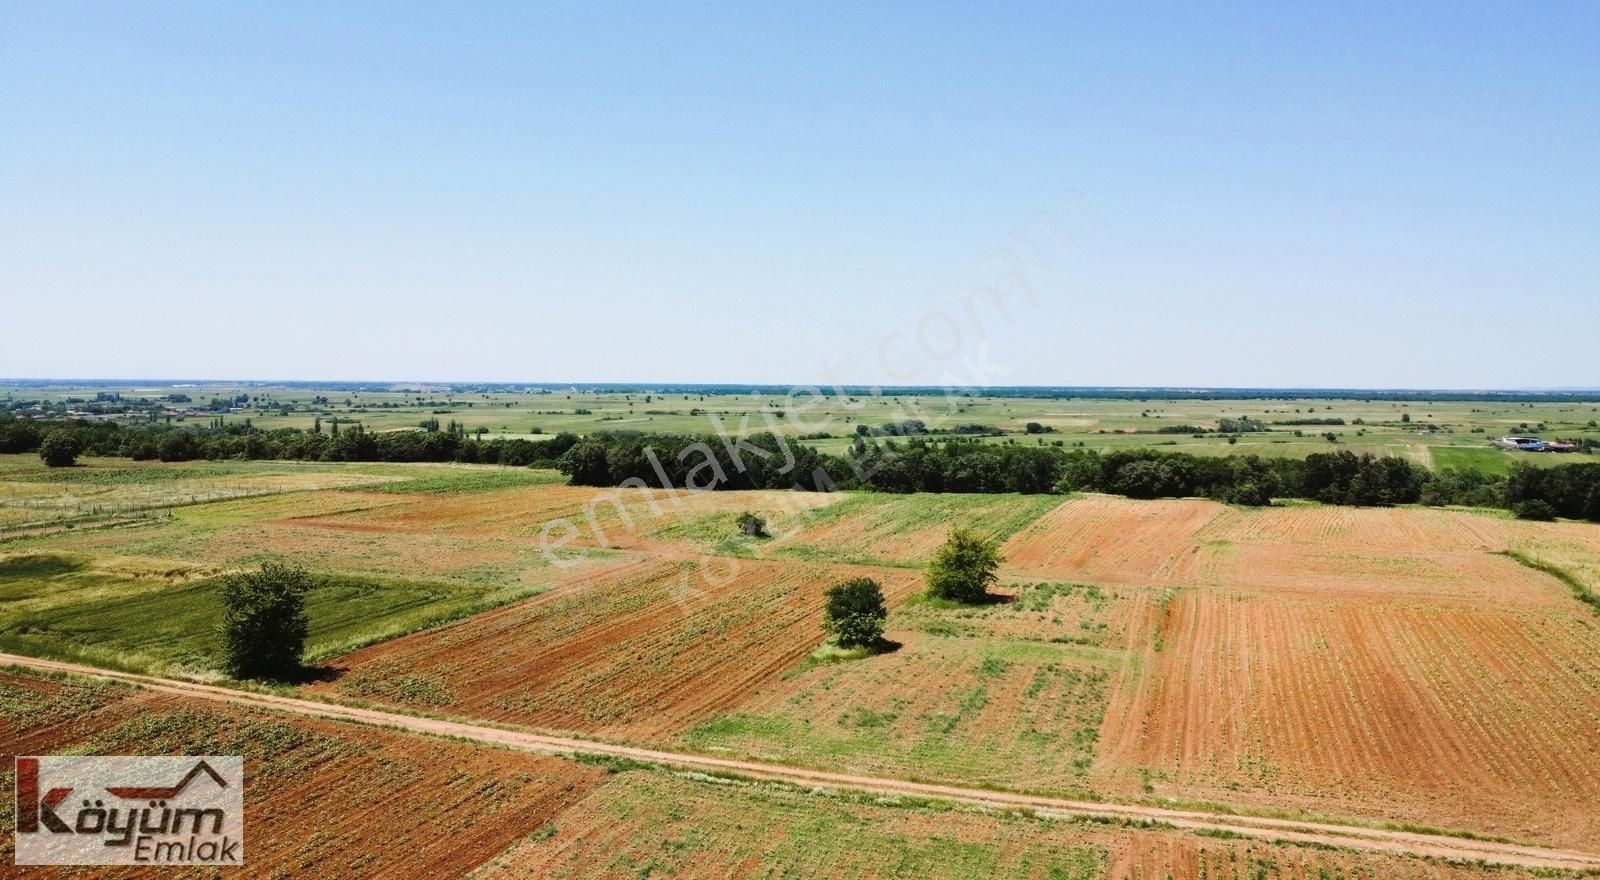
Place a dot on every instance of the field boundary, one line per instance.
(1580, 590)
(1312, 833)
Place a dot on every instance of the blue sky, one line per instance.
(1374, 195)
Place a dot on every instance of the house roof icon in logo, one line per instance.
(157, 793)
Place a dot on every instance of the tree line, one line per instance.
(240, 441)
(948, 463)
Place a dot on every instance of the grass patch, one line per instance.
(829, 652)
(175, 628)
(1580, 590)
(1475, 459)
(440, 480)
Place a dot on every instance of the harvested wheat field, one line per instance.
(645, 648)
(345, 532)
(325, 799)
(33, 495)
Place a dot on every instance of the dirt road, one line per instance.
(1323, 833)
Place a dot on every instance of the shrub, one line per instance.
(752, 525)
(855, 613)
(264, 623)
(964, 567)
(59, 449)
(1535, 509)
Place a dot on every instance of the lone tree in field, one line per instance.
(264, 621)
(59, 449)
(855, 613)
(964, 567)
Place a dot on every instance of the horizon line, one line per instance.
(670, 385)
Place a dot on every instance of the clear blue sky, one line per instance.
(1353, 194)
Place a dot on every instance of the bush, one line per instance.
(855, 613)
(264, 623)
(59, 449)
(752, 525)
(1535, 509)
(964, 567)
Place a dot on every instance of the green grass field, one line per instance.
(63, 606)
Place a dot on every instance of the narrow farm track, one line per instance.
(1308, 832)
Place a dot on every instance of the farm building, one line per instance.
(1534, 444)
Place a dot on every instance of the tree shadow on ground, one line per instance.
(884, 646)
(304, 675)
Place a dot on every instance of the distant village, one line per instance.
(1535, 444)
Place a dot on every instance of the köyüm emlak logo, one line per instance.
(130, 810)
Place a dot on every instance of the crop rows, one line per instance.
(646, 648)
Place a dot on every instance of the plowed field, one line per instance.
(648, 648)
(1446, 555)
(322, 800)
(1344, 661)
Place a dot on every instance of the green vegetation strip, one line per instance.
(175, 627)
(1580, 590)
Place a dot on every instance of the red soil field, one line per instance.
(322, 800)
(1437, 714)
(1446, 555)
(1343, 661)
(624, 517)
(1149, 856)
(645, 649)
(1112, 540)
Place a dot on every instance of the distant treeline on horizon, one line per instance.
(1065, 392)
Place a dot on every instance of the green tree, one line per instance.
(855, 613)
(1535, 509)
(964, 567)
(59, 449)
(264, 621)
(587, 464)
(178, 446)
